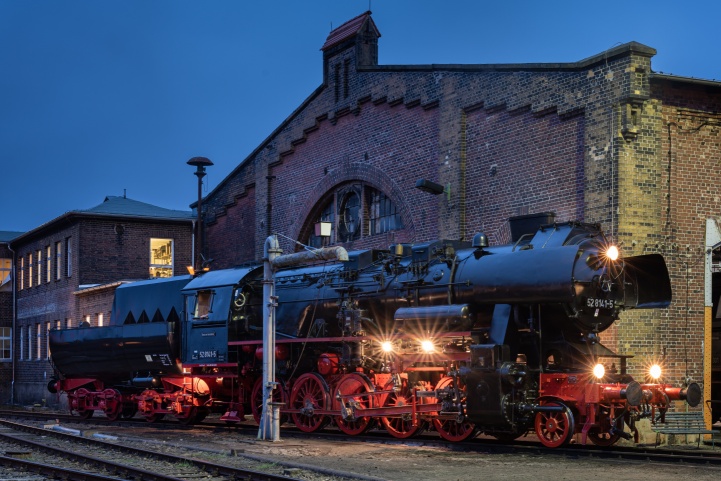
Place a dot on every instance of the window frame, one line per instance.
(6, 344)
(162, 268)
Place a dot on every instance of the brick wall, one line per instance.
(588, 141)
(104, 251)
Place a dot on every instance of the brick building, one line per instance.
(6, 312)
(67, 271)
(604, 139)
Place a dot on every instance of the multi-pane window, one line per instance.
(21, 284)
(383, 214)
(6, 343)
(68, 257)
(47, 340)
(30, 270)
(58, 260)
(48, 264)
(161, 257)
(39, 344)
(39, 260)
(355, 211)
(5, 270)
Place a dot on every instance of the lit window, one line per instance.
(48, 264)
(30, 270)
(6, 343)
(68, 323)
(161, 257)
(5, 270)
(100, 319)
(58, 260)
(22, 274)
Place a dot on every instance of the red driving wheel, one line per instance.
(555, 428)
(353, 389)
(310, 393)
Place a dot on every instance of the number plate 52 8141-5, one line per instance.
(594, 303)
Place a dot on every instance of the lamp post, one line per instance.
(200, 163)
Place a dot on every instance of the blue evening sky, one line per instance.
(102, 96)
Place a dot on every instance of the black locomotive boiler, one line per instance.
(453, 336)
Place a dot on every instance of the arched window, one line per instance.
(355, 211)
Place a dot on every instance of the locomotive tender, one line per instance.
(454, 336)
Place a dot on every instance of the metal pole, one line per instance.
(269, 428)
(200, 163)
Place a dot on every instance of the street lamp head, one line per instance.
(200, 163)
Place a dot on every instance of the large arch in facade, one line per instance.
(346, 174)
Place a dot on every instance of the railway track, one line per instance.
(67, 456)
(525, 447)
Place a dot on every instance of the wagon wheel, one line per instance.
(113, 404)
(555, 429)
(83, 412)
(128, 411)
(279, 396)
(310, 393)
(603, 437)
(154, 418)
(355, 385)
(401, 426)
(451, 429)
(86, 413)
(190, 419)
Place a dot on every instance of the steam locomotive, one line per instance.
(459, 337)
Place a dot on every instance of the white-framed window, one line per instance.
(6, 343)
(68, 257)
(58, 260)
(39, 260)
(39, 353)
(47, 340)
(48, 264)
(161, 257)
(30, 270)
(21, 285)
(100, 319)
(68, 323)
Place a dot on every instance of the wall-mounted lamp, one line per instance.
(433, 188)
(322, 229)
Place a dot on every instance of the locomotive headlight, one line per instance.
(599, 371)
(428, 346)
(387, 346)
(655, 371)
(612, 253)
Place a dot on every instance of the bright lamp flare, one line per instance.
(599, 371)
(655, 371)
(387, 346)
(428, 346)
(612, 253)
